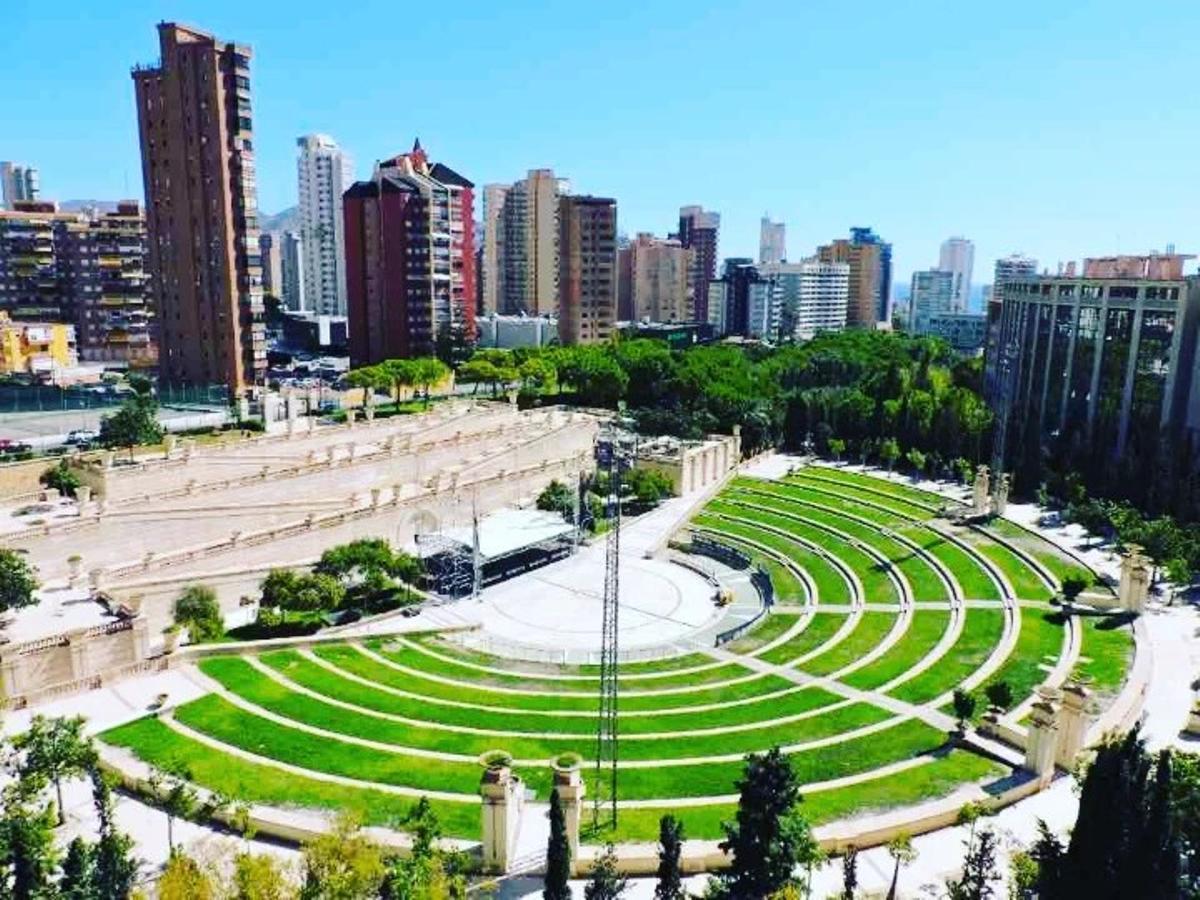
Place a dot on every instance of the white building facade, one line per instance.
(932, 295)
(324, 173)
(807, 298)
(291, 265)
(772, 242)
(958, 258)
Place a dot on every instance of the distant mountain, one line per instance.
(287, 220)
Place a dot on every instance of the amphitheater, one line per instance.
(860, 604)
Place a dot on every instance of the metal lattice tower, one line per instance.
(606, 727)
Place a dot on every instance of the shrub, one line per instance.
(61, 478)
(999, 694)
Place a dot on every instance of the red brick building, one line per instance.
(410, 259)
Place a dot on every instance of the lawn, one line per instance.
(872, 628)
(1039, 645)
(980, 635)
(831, 584)
(820, 629)
(924, 633)
(769, 628)
(156, 744)
(922, 578)
(1106, 653)
(1024, 580)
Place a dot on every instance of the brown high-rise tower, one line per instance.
(587, 269)
(201, 212)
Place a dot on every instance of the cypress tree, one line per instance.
(979, 870)
(670, 848)
(558, 854)
(78, 881)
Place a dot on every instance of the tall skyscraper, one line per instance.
(272, 264)
(528, 253)
(1015, 265)
(738, 274)
(291, 271)
(18, 183)
(196, 131)
(772, 242)
(491, 271)
(933, 293)
(699, 232)
(324, 172)
(870, 261)
(957, 257)
(658, 273)
(587, 269)
(410, 259)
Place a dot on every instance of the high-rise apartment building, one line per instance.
(1013, 266)
(957, 256)
(1106, 360)
(625, 311)
(933, 292)
(410, 258)
(772, 242)
(528, 251)
(805, 298)
(587, 269)
(291, 271)
(18, 184)
(196, 129)
(81, 269)
(272, 264)
(658, 275)
(492, 268)
(734, 318)
(324, 172)
(870, 262)
(699, 233)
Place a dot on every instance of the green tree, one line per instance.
(604, 882)
(999, 694)
(901, 850)
(114, 866)
(197, 610)
(290, 591)
(178, 799)
(648, 485)
(136, 422)
(429, 873)
(837, 447)
(889, 452)
(557, 497)
(55, 750)
(369, 569)
(342, 864)
(61, 478)
(28, 856)
(849, 873)
(78, 879)
(964, 703)
(979, 870)
(769, 838)
(670, 849)
(478, 371)
(18, 581)
(558, 854)
(260, 876)
(428, 371)
(1072, 587)
(184, 879)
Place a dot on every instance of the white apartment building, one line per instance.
(932, 295)
(526, 241)
(291, 265)
(324, 172)
(800, 299)
(772, 242)
(958, 258)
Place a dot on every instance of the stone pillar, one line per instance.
(351, 450)
(169, 442)
(264, 472)
(1074, 719)
(74, 567)
(109, 458)
(571, 791)
(83, 494)
(503, 797)
(10, 684)
(330, 456)
(1134, 586)
(140, 633)
(351, 415)
(397, 490)
(291, 428)
(96, 580)
(1042, 744)
(375, 492)
(369, 413)
(1193, 724)
(980, 498)
(1000, 501)
(187, 451)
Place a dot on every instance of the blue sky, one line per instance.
(1060, 129)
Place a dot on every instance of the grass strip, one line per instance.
(935, 779)
(871, 629)
(1108, 646)
(924, 633)
(820, 629)
(438, 644)
(980, 635)
(156, 744)
(1039, 645)
(770, 627)
(1023, 579)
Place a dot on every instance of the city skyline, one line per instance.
(997, 185)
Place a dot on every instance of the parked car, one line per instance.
(82, 437)
(9, 446)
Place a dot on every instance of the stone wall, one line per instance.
(19, 480)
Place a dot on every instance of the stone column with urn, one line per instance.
(503, 796)
(979, 498)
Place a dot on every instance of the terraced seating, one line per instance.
(884, 611)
